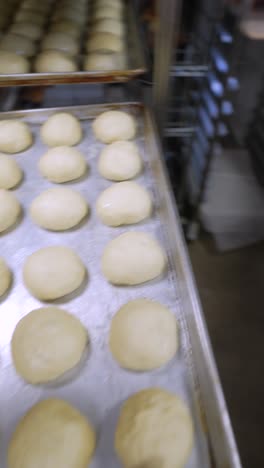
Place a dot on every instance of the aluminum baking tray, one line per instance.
(135, 65)
(102, 385)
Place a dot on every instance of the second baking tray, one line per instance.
(101, 386)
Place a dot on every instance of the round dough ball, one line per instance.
(61, 129)
(154, 429)
(133, 258)
(47, 343)
(52, 434)
(32, 31)
(54, 61)
(103, 61)
(104, 42)
(10, 172)
(58, 209)
(62, 164)
(30, 16)
(12, 64)
(68, 14)
(5, 276)
(114, 125)
(124, 203)
(53, 272)
(103, 12)
(10, 210)
(109, 4)
(67, 27)
(120, 161)
(143, 335)
(21, 45)
(15, 136)
(60, 41)
(110, 25)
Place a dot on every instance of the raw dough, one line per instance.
(54, 61)
(10, 172)
(110, 25)
(133, 258)
(15, 136)
(114, 125)
(143, 335)
(66, 27)
(61, 129)
(32, 31)
(53, 272)
(27, 16)
(124, 203)
(5, 277)
(58, 209)
(9, 210)
(154, 430)
(21, 45)
(120, 161)
(104, 42)
(47, 343)
(62, 164)
(60, 41)
(103, 12)
(12, 64)
(103, 61)
(52, 434)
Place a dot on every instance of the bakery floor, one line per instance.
(231, 288)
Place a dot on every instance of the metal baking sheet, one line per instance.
(134, 56)
(101, 386)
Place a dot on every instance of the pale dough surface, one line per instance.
(47, 343)
(5, 277)
(143, 335)
(133, 258)
(53, 61)
(10, 172)
(103, 61)
(60, 41)
(107, 11)
(12, 64)
(10, 209)
(62, 164)
(15, 136)
(21, 45)
(124, 203)
(120, 161)
(52, 434)
(61, 128)
(154, 430)
(32, 31)
(110, 25)
(53, 272)
(26, 16)
(58, 209)
(67, 27)
(104, 41)
(111, 126)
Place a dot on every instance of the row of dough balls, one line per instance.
(58, 434)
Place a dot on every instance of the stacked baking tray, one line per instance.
(101, 385)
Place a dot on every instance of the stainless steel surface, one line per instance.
(135, 65)
(101, 385)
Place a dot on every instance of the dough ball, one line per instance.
(10, 210)
(154, 430)
(67, 27)
(52, 434)
(32, 31)
(5, 276)
(117, 5)
(120, 161)
(69, 13)
(15, 136)
(61, 129)
(103, 61)
(60, 41)
(21, 45)
(30, 16)
(12, 64)
(54, 61)
(110, 25)
(53, 272)
(42, 7)
(62, 164)
(104, 42)
(10, 172)
(124, 203)
(58, 209)
(47, 343)
(133, 258)
(114, 125)
(143, 335)
(109, 11)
